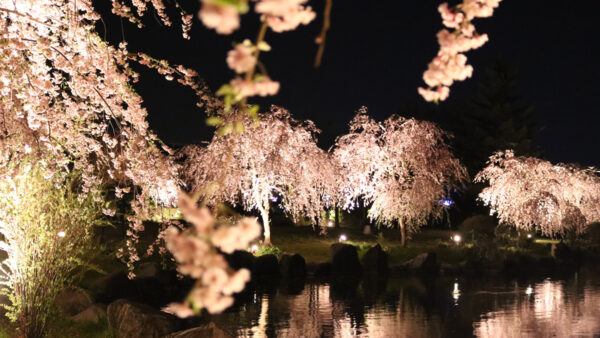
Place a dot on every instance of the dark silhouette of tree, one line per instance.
(495, 119)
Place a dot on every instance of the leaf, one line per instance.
(240, 5)
(225, 90)
(225, 130)
(263, 46)
(239, 127)
(253, 111)
(214, 121)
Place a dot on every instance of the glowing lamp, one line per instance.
(456, 292)
(330, 224)
(529, 235)
(529, 291)
(456, 239)
(446, 202)
(343, 238)
(254, 248)
(61, 234)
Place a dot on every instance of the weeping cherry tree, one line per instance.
(273, 157)
(401, 168)
(529, 193)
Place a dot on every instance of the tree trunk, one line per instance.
(364, 214)
(402, 233)
(264, 213)
(337, 216)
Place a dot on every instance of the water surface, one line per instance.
(566, 306)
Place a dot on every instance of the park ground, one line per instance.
(315, 247)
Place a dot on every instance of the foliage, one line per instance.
(275, 158)
(478, 228)
(592, 234)
(268, 250)
(46, 226)
(402, 167)
(505, 234)
(384, 242)
(495, 119)
(530, 193)
(66, 327)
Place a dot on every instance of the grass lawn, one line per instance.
(316, 248)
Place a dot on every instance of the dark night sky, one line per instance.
(376, 54)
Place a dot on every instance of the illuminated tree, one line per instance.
(274, 157)
(46, 233)
(530, 193)
(401, 168)
(67, 98)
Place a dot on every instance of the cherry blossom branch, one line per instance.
(320, 40)
(450, 64)
(250, 74)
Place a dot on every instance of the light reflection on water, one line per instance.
(412, 307)
(549, 309)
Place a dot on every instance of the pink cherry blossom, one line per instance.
(432, 95)
(222, 18)
(241, 59)
(450, 18)
(179, 310)
(262, 87)
(197, 256)
(285, 15)
(449, 65)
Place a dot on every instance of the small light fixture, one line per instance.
(529, 290)
(343, 238)
(456, 238)
(61, 234)
(254, 248)
(456, 293)
(330, 224)
(529, 235)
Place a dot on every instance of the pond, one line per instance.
(564, 306)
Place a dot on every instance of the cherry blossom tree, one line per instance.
(68, 104)
(401, 168)
(67, 99)
(530, 193)
(276, 157)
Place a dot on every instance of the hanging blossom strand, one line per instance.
(450, 64)
(223, 16)
(196, 252)
(252, 78)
